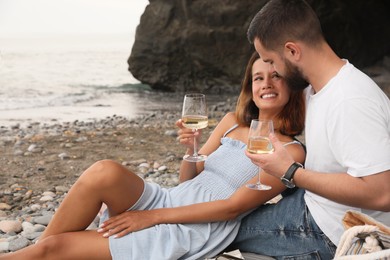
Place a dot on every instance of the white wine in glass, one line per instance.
(195, 122)
(259, 143)
(194, 116)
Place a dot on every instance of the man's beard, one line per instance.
(294, 78)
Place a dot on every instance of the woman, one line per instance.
(196, 219)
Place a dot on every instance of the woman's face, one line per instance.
(269, 90)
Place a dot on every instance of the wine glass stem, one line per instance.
(195, 145)
(258, 181)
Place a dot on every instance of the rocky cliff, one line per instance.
(184, 45)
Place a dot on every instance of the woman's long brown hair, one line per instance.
(291, 120)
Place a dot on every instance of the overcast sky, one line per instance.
(20, 17)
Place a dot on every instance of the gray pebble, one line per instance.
(4, 246)
(33, 148)
(43, 220)
(18, 243)
(63, 156)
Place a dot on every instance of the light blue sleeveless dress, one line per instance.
(225, 170)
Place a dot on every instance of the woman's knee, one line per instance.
(50, 247)
(105, 173)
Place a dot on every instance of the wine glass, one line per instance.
(259, 143)
(194, 116)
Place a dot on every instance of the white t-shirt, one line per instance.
(347, 130)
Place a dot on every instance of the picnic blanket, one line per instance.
(364, 238)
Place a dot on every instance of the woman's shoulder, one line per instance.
(227, 122)
(232, 129)
(230, 116)
(296, 149)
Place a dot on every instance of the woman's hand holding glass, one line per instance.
(194, 117)
(186, 136)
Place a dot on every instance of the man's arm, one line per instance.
(369, 192)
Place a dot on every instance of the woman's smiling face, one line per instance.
(269, 90)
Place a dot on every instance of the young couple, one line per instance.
(347, 135)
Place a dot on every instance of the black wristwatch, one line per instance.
(287, 178)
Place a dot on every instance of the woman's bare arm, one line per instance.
(242, 200)
(189, 170)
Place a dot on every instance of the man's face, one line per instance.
(294, 77)
(290, 72)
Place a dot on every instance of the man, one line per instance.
(347, 135)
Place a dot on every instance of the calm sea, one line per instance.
(57, 78)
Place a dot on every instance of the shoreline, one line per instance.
(129, 104)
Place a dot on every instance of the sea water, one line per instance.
(62, 78)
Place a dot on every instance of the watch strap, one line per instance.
(291, 171)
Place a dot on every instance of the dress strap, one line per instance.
(296, 141)
(293, 142)
(230, 129)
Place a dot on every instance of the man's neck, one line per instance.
(321, 66)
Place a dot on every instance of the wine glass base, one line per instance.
(195, 158)
(258, 186)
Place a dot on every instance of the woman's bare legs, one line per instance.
(65, 237)
(104, 182)
(66, 246)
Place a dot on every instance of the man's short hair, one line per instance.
(280, 21)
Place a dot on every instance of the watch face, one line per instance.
(288, 183)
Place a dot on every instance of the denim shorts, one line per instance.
(285, 230)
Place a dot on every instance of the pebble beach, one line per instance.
(41, 161)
